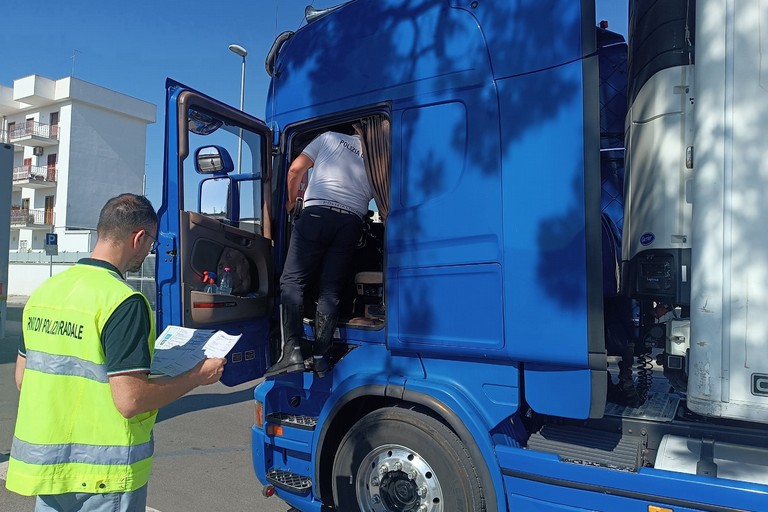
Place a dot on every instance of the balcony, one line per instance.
(34, 176)
(37, 218)
(31, 133)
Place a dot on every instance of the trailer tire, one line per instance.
(396, 459)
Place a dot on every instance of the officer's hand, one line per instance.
(289, 206)
(210, 370)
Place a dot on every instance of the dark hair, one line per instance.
(123, 214)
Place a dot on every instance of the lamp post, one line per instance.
(242, 52)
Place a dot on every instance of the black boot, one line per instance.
(295, 349)
(324, 327)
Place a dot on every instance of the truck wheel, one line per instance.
(400, 460)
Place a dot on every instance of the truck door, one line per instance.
(215, 215)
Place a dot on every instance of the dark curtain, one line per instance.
(375, 134)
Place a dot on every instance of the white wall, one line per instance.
(76, 241)
(24, 278)
(36, 238)
(106, 158)
(62, 183)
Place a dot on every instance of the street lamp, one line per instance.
(239, 50)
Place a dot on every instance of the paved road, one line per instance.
(202, 446)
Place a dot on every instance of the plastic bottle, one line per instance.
(209, 279)
(225, 285)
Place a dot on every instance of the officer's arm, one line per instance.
(135, 393)
(21, 363)
(126, 350)
(296, 172)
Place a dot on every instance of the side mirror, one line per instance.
(213, 160)
(215, 197)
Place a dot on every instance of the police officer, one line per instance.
(324, 238)
(83, 438)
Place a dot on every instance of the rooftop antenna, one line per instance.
(74, 54)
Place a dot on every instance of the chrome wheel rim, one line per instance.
(393, 478)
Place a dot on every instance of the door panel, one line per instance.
(203, 241)
(192, 242)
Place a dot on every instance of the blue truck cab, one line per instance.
(494, 284)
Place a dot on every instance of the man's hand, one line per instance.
(135, 393)
(209, 370)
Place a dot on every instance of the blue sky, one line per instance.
(131, 47)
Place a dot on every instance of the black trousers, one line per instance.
(322, 240)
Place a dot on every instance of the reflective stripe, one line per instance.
(42, 454)
(66, 365)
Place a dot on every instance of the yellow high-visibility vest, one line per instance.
(69, 435)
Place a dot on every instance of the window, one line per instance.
(215, 194)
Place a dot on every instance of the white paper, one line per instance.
(179, 349)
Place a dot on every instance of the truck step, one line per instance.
(292, 420)
(291, 482)
(581, 445)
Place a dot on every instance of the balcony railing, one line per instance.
(35, 172)
(33, 129)
(29, 217)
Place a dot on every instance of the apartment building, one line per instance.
(75, 145)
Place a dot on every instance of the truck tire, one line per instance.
(397, 460)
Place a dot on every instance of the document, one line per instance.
(179, 349)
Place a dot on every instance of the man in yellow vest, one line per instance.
(83, 439)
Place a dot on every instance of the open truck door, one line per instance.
(215, 216)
